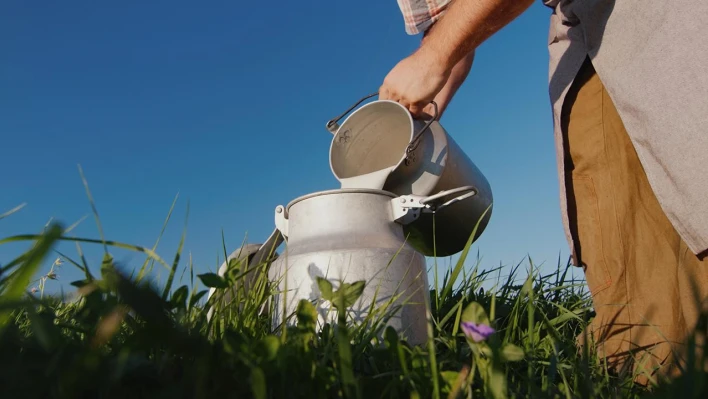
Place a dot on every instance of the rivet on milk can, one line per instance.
(349, 235)
(381, 146)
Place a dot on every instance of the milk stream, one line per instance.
(374, 180)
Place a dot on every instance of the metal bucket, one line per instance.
(381, 146)
(348, 235)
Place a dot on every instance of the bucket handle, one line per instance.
(333, 126)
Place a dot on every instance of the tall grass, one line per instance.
(122, 336)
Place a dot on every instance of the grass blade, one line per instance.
(13, 210)
(21, 277)
(171, 277)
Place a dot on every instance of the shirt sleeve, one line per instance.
(419, 15)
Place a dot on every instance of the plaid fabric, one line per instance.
(419, 15)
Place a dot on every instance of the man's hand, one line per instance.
(415, 81)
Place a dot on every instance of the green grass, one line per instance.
(123, 336)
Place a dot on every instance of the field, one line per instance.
(125, 336)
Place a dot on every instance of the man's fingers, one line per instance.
(383, 93)
(387, 94)
(416, 109)
(405, 103)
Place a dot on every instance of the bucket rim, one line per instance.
(369, 104)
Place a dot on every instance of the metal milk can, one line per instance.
(250, 256)
(381, 146)
(347, 235)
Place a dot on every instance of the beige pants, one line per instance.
(638, 270)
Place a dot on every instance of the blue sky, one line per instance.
(226, 106)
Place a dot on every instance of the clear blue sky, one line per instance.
(226, 105)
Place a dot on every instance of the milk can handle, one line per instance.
(472, 191)
(332, 123)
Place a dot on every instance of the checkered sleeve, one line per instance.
(419, 15)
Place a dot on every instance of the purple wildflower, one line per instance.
(477, 332)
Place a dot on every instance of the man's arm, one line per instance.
(458, 75)
(418, 79)
(467, 24)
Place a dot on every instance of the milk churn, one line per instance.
(381, 146)
(248, 256)
(348, 235)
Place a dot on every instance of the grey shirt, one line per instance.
(652, 57)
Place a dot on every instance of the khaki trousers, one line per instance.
(639, 271)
